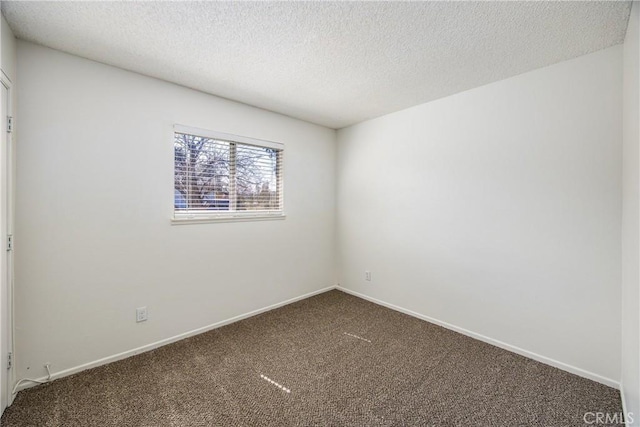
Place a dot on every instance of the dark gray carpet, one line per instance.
(392, 370)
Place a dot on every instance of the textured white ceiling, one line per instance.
(331, 63)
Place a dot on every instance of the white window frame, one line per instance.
(195, 217)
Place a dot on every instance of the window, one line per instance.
(222, 176)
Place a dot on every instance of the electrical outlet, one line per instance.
(367, 276)
(141, 314)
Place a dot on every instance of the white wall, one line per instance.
(630, 219)
(94, 199)
(497, 210)
(7, 49)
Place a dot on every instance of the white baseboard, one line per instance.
(624, 410)
(152, 346)
(543, 359)
(624, 405)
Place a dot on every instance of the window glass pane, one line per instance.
(257, 178)
(201, 173)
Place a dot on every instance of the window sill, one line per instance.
(226, 218)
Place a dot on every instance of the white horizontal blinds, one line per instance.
(202, 173)
(258, 173)
(215, 176)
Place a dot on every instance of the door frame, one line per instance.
(8, 218)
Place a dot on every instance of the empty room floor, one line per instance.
(329, 360)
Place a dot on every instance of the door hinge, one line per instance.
(10, 242)
(9, 124)
(9, 360)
